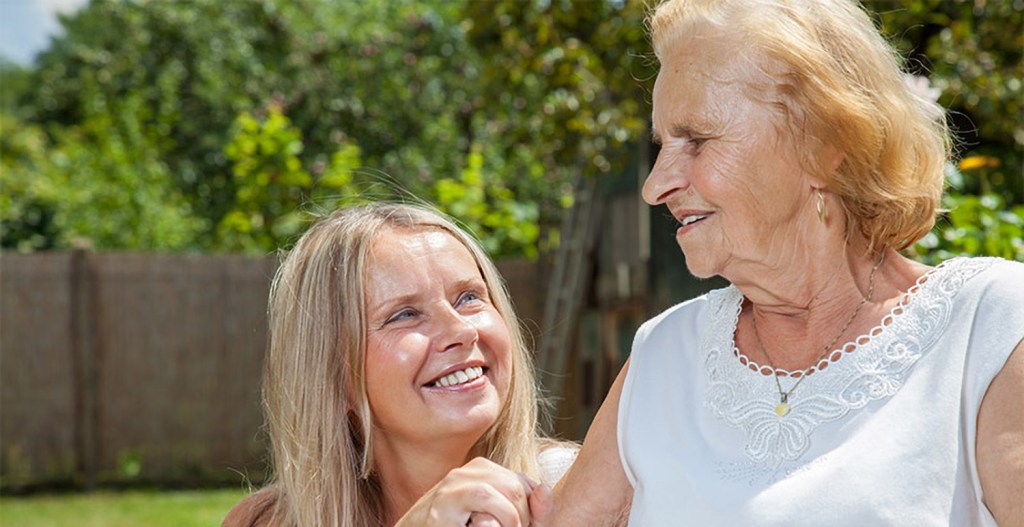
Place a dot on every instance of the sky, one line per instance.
(27, 25)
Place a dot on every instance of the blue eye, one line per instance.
(468, 296)
(404, 314)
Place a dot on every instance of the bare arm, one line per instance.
(1000, 448)
(596, 492)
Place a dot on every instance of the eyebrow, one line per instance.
(461, 285)
(384, 307)
(476, 282)
(677, 130)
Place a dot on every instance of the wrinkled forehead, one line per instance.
(711, 64)
(714, 55)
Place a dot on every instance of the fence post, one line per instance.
(83, 341)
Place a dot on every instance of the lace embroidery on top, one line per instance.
(884, 357)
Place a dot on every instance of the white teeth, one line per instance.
(691, 219)
(460, 377)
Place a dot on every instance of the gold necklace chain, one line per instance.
(782, 409)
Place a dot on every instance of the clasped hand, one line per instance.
(482, 493)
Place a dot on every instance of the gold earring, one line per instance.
(821, 206)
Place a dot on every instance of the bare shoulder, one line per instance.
(1000, 443)
(255, 510)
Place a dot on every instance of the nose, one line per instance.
(455, 330)
(664, 180)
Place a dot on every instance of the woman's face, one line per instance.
(727, 170)
(438, 354)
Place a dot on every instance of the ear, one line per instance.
(829, 160)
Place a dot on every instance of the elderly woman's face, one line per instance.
(438, 353)
(727, 171)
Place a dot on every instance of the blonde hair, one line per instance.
(314, 391)
(842, 84)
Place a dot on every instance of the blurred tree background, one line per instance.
(220, 126)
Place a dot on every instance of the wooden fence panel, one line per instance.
(182, 352)
(37, 377)
(117, 366)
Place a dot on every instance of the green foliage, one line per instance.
(973, 225)
(14, 80)
(96, 184)
(398, 79)
(213, 125)
(565, 90)
(273, 187)
(973, 52)
(193, 66)
(129, 464)
(486, 207)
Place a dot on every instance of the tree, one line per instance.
(95, 184)
(973, 55)
(566, 85)
(490, 108)
(396, 79)
(272, 188)
(193, 66)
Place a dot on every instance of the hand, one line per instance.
(482, 493)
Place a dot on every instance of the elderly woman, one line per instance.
(834, 382)
(398, 389)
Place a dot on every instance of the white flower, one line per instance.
(923, 90)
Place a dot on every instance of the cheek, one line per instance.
(495, 340)
(742, 181)
(727, 157)
(392, 362)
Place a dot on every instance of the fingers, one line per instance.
(492, 504)
(542, 506)
(482, 493)
(482, 519)
(502, 493)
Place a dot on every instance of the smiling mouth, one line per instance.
(456, 378)
(693, 218)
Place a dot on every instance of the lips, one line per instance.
(687, 218)
(457, 376)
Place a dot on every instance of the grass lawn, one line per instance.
(199, 508)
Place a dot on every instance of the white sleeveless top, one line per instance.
(884, 436)
(555, 461)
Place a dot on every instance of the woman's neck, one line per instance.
(797, 279)
(803, 307)
(407, 472)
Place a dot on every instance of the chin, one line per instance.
(476, 421)
(701, 268)
(471, 433)
(702, 275)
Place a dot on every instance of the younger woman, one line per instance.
(398, 388)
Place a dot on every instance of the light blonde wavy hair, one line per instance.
(314, 393)
(842, 84)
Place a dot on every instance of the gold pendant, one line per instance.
(782, 409)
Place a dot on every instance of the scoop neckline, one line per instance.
(835, 355)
